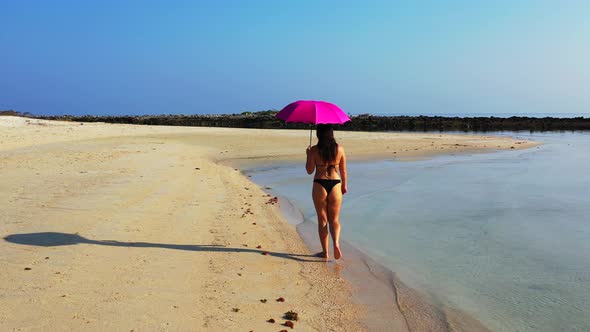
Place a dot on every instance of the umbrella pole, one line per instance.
(310, 130)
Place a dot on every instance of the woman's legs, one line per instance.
(320, 200)
(334, 201)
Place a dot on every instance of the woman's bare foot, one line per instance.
(337, 253)
(322, 254)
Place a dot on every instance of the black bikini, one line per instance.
(328, 184)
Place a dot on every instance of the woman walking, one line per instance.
(328, 160)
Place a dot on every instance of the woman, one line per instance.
(327, 158)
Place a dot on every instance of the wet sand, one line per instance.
(113, 227)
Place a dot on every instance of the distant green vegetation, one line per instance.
(268, 112)
(9, 112)
(364, 122)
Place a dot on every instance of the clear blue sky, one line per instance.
(380, 57)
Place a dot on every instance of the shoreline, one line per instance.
(143, 170)
(389, 303)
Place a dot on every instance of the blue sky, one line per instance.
(381, 57)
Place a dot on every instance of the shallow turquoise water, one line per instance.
(503, 236)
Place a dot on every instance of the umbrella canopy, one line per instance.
(313, 112)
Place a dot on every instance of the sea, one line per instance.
(503, 236)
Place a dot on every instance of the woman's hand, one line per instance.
(308, 150)
(344, 189)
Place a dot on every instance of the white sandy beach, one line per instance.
(123, 227)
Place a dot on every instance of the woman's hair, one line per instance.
(326, 142)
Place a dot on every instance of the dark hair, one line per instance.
(326, 142)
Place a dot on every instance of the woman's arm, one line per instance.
(310, 164)
(342, 167)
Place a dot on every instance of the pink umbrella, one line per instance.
(313, 112)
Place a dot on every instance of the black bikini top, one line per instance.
(329, 166)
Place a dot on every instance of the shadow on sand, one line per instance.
(53, 239)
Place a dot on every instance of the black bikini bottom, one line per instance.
(328, 184)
